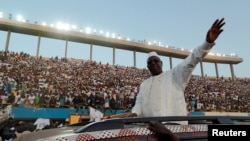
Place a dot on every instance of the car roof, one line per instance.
(135, 129)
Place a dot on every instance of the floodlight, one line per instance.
(73, 27)
(234, 54)
(66, 27)
(107, 34)
(44, 23)
(159, 43)
(19, 18)
(101, 32)
(88, 30)
(59, 25)
(113, 35)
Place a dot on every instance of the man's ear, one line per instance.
(161, 63)
(148, 66)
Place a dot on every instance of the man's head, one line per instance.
(154, 63)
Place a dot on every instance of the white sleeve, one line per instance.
(138, 103)
(183, 71)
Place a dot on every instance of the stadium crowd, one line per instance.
(74, 83)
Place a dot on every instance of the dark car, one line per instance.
(135, 129)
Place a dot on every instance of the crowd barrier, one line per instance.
(63, 113)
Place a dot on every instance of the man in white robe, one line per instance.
(162, 94)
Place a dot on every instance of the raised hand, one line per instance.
(215, 30)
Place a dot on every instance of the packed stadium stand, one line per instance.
(71, 83)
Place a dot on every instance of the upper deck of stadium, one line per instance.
(94, 39)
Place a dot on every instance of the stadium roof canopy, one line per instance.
(95, 39)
